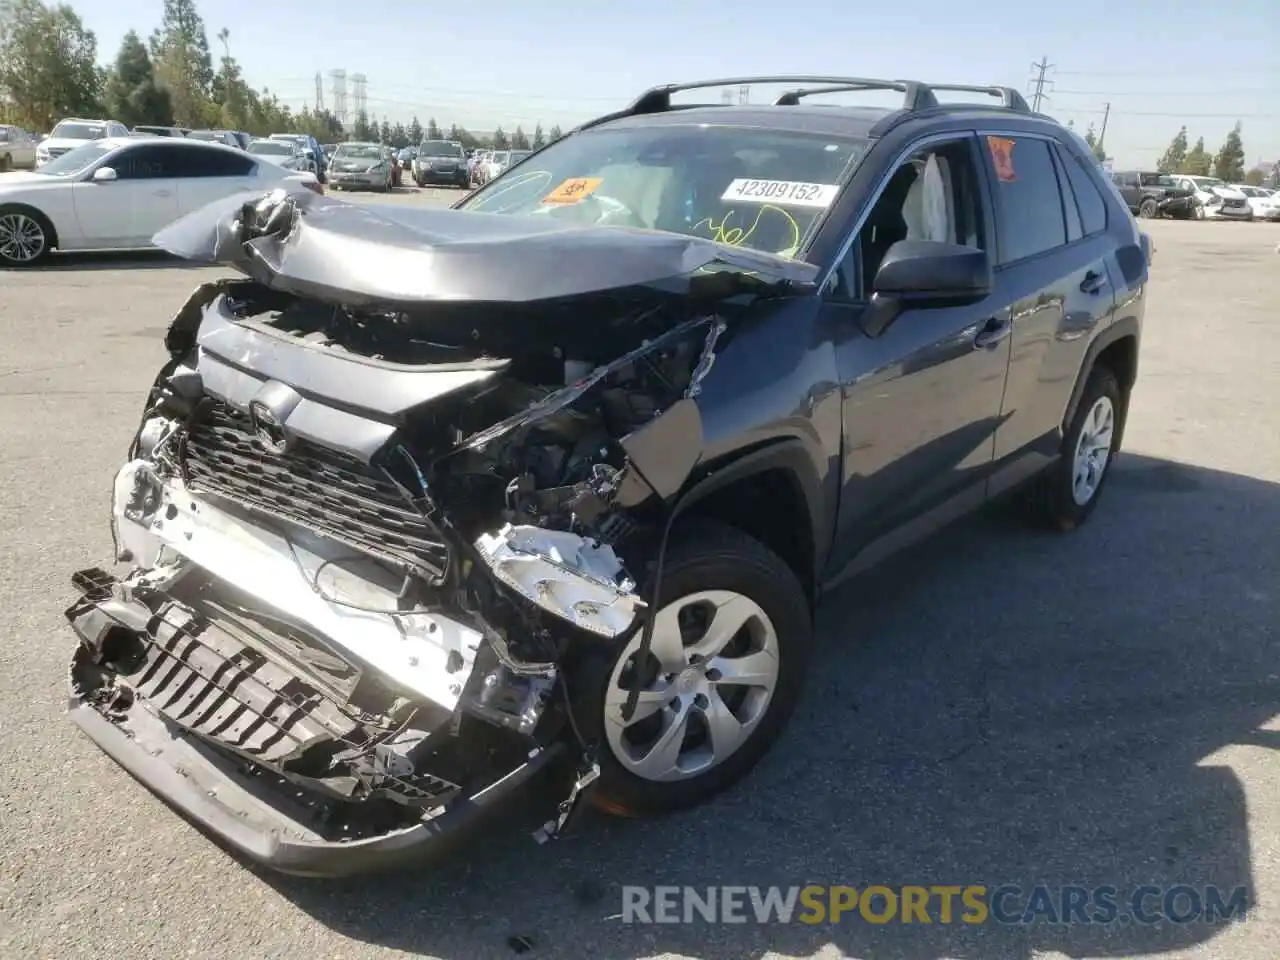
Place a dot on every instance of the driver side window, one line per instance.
(932, 195)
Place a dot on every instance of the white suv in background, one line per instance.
(1214, 199)
(75, 132)
(1265, 203)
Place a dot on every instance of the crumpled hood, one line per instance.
(317, 246)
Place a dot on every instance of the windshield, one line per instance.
(518, 155)
(439, 148)
(73, 161)
(358, 151)
(1156, 180)
(272, 148)
(1205, 183)
(70, 130)
(742, 186)
(501, 158)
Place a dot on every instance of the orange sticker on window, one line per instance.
(1002, 156)
(571, 191)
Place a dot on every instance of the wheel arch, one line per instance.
(1116, 348)
(773, 494)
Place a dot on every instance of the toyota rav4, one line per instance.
(428, 503)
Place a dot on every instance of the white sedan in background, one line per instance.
(116, 193)
(1264, 203)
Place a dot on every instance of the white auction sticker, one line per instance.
(787, 193)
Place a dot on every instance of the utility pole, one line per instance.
(1039, 95)
(1102, 137)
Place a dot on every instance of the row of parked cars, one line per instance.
(448, 162)
(1186, 197)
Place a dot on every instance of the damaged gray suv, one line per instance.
(427, 504)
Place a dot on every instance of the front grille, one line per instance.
(327, 492)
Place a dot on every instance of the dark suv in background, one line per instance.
(441, 161)
(435, 500)
(1152, 195)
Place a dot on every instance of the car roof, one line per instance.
(176, 143)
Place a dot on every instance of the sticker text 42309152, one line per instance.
(782, 192)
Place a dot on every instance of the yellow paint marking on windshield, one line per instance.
(723, 231)
(574, 190)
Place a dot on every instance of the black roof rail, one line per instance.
(917, 96)
(658, 99)
(1008, 96)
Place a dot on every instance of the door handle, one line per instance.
(162, 193)
(992, 332)
(1093, 282)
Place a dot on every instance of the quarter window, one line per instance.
(1028, 196)
(1089, 200)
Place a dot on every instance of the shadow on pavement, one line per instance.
(116, 260)
(997, 706)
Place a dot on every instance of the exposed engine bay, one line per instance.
(368, 542)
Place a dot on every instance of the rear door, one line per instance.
(206, 175)
(1053, 264)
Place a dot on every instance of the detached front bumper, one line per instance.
(1177, 206)
(238, 802)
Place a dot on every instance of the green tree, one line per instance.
(1091, 138)
(1175, 155)
(184, 65)
(415, 131)
(453, 133)
(230, 99)
(1255, 177)
(132, 95)
(384, 131)
(539, 138)
(554, 134)
(519, 140)
(48, 65)
(1198, 161)
(1229, 163)
(399, 136)
(362, 129)
(500, 141)
(433, 132)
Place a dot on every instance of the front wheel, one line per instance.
(1149, 209)
(1066, 496)
(24, 237)
(731, 645)
(1198, 212)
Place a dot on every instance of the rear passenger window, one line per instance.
(1074, 230)
(1027, 194)
(1093, 208)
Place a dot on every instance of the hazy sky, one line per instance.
(508, 62)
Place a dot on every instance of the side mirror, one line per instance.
(105, 175)
(925, 273)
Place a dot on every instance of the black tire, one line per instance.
(50, 238)
(1148, 209)
(1197, 212)
(1051, 499)
(6, 163)
(706, 556)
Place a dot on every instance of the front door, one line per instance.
(922, 399)
(128, 211)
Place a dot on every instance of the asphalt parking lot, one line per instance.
(997, 706)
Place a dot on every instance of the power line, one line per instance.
(1175, 114)
(1244, 91)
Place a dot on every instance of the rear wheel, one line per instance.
(731, 644)
(1065, 497)
(1149, 209)
(25, 236)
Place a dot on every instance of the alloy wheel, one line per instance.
(1093, 450)
(711, 671)
(22, 239)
